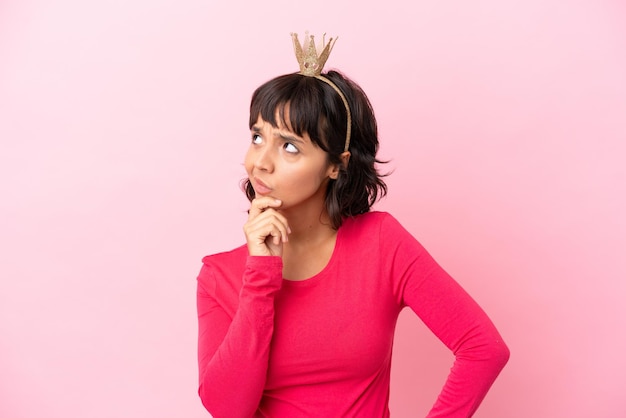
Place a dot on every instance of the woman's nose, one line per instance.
(264, 159)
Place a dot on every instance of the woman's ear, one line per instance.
(345, 158)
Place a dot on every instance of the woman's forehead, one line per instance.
(278, 129)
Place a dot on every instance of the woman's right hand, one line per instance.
(266, 230)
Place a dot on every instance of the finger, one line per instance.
(271, 215)
(259, 205)
(276, 238)
(278, 228)
(265, 225)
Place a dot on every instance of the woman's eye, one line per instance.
(256, 139)
(290, 148)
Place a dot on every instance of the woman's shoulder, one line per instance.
(374, 220)
(375, 225)
(220, 277)
(227, 264)
(226, 257)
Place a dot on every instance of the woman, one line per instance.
(299, 322)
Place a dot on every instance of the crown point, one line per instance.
(312, 58)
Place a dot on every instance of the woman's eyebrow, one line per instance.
(290, 138)
(282, 135)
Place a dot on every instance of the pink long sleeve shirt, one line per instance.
(321, 347)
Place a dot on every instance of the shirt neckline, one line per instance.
(317, 277)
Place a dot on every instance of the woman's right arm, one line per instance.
(233, 351)
(234, 347)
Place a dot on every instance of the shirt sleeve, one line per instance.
(453, 316)
(233, 348)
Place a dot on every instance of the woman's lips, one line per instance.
(260, 187)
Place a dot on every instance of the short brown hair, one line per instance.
(315, 108)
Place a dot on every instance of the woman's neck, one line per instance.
(309, 229)
(310, 247)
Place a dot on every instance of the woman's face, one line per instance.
(286, 166)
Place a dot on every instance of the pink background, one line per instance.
(123, 127)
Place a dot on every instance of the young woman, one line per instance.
(299, 321)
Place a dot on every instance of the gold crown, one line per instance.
(312, 63)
